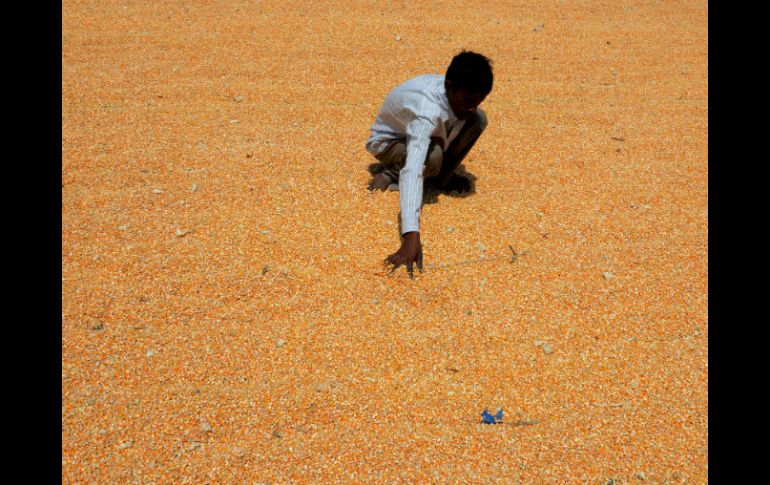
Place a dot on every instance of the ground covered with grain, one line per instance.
(226, 317)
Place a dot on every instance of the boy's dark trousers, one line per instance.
(439, 163)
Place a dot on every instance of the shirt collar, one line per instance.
(450, 115)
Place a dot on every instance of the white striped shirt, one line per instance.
(416, 111)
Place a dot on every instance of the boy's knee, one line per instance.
(481, 119)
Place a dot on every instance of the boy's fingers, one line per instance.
(419, 261)
(410, 270)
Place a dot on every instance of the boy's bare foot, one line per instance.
(379, 182)
(458, 184)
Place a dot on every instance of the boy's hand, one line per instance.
(409, 253)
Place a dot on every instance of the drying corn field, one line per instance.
(226, 313)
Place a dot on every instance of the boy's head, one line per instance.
(468, 81)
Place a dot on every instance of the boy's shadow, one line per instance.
(430, 192)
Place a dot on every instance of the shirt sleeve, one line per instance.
(410, 179)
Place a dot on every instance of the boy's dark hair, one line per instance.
(470, 71)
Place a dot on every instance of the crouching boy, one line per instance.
(424, 130)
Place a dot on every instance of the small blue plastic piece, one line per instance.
(487, 418)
